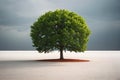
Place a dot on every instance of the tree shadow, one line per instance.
(37, 63)
(64, 60)
(26, 63)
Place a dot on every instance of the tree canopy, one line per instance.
(60, 30)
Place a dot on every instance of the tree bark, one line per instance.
(61, 53)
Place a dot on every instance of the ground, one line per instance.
(27, 65)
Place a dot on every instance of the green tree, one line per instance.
(60, 30)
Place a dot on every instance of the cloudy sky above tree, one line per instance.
(102, 16)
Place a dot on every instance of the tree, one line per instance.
(60, 30)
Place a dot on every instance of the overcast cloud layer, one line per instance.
(102, 16)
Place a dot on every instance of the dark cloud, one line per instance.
(102, 17)
(15, 39)
(102, 10)
(106, 37)
(104, 22)
(10, 19)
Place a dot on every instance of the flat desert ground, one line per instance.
(25, 65)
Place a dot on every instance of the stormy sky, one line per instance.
(102, 17)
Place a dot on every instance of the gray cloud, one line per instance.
(102, 17)
(13, 39)
(105, 35)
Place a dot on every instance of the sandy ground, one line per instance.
(23, 65)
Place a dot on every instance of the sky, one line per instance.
(102, 17)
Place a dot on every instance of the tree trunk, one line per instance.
(61, 53)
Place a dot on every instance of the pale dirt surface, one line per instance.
(22, 65)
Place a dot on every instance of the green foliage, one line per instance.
(60, 29)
